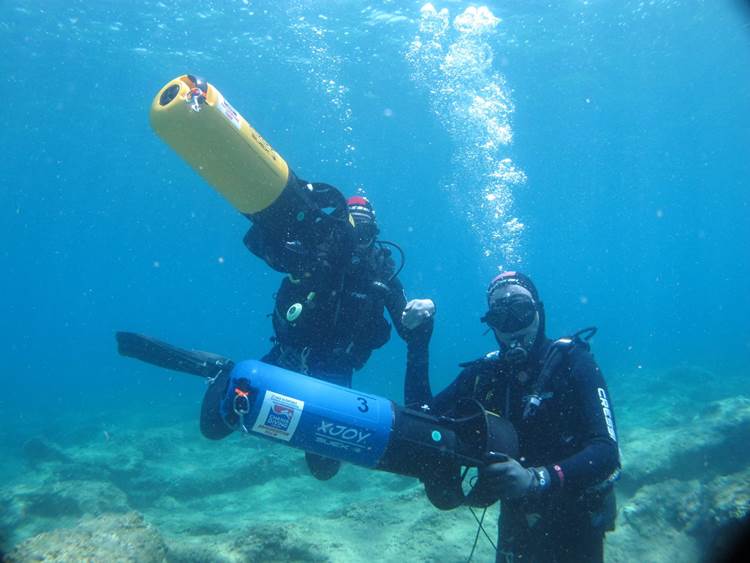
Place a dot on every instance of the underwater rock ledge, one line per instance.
(110, 537)
(685, 484)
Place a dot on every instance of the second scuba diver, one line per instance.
(557, 498)
(328, 315)
(327, 324)
(329, 310)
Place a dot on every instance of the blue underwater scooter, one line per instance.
(337, 422)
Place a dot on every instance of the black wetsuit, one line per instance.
(340, 322)
(341, 319)
(328, 314)
(572, 434)
(340, 290)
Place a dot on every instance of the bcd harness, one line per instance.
(557, 353)
(295, 350)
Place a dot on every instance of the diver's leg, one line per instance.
(578, 545)
(565, 534)
(526, 535)
(591, 548)
(212, 424)
(321, 467)
(513, 542)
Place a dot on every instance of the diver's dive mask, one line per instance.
(514, 318)
(366, 234)
(511, 313)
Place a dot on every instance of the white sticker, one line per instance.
(279, 416)
(230, 113)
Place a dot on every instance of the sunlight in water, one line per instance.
(454, 64)
(322, 68)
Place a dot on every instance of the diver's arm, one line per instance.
(417, 390)
(598, 457)
(307, 232)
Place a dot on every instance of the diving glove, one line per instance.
(417, 312)
(509, 480)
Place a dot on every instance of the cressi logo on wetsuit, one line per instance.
(607, 412)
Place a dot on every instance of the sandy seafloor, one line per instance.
(145, 487)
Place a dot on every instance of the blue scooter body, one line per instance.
(307, 413)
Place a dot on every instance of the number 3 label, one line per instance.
(363, 406)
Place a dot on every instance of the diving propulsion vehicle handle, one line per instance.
(342, 423)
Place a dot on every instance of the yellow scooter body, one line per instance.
(212, 137)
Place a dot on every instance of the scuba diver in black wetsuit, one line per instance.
(327, 324)
(329, 310)
(557, 498)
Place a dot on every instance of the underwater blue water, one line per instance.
(625, 193)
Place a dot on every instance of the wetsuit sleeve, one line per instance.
(309, 233)
(395, 302)
(417, 390)
(598, 457)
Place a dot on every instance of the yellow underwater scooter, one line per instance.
(289, 216)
